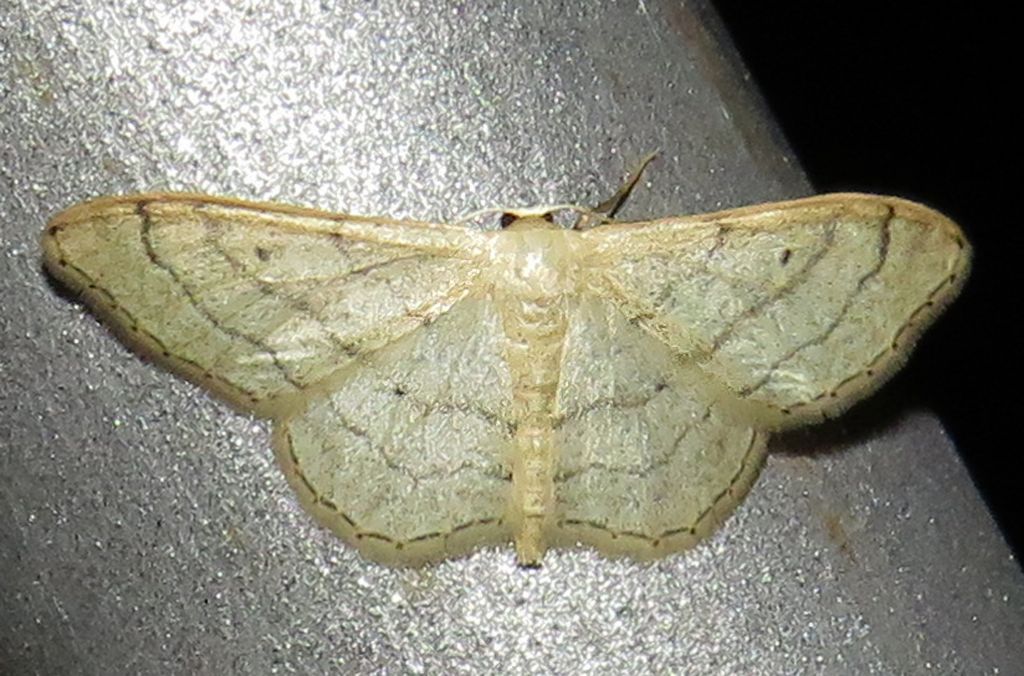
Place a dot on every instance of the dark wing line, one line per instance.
(421, 238)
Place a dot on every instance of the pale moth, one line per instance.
(435, 388)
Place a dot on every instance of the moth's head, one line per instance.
(542, 218)
(525, 220)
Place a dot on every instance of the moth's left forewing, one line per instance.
(256, 302)
(794, 309)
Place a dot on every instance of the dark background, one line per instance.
(915, 99)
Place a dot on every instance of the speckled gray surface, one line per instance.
(144, 527)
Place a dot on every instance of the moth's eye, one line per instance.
(507, 219)
(549, 217)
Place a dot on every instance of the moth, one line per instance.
(435, 387)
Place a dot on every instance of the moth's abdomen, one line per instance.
(532, 271)
(535, 334)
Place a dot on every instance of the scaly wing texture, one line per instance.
(404, 453)
(650, 456)
(798, 308)
(255, 301)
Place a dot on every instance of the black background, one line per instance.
(916, 99)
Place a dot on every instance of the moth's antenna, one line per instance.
(613, 203)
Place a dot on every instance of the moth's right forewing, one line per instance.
(796, 309)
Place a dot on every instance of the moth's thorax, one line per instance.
(534, 259)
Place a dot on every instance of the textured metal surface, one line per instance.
(144, 527)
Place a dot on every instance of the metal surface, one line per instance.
(144, 527)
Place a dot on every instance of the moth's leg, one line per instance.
(479, 217)
(605, 211)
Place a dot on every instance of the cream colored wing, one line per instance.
(650, 456)
(404, 452)
(797, 308)
(255, 301)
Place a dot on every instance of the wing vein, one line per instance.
(884, 240)
(156, 259)
(789, 287)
